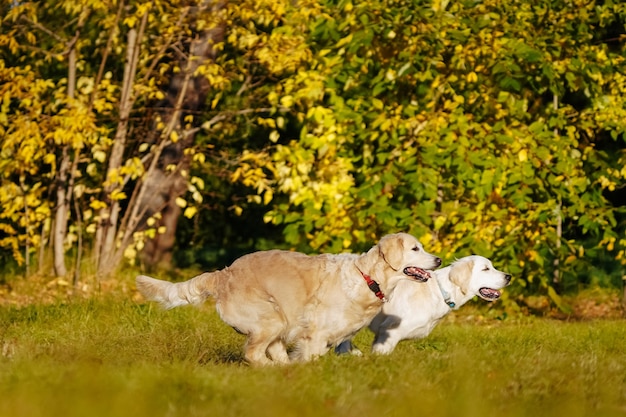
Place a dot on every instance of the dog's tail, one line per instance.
(170, 294)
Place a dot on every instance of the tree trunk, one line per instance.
(106, 232)
(66, 174)
(556, 277)
(136, 211)
(60, 216)
(158, 251)
(28, 227)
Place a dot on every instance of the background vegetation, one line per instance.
(142, 130)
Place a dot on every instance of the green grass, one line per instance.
(118, 358)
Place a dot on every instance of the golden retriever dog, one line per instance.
(282, 299)
(414, 310)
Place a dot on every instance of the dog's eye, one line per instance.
(486, 268)
(416, 249)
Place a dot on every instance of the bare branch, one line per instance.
(105, 56)
(107, 233)
(43, 29)
(168, 43)
(133, 216)
(225, 115)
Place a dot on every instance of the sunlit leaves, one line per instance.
(47, 114)
(473, 128)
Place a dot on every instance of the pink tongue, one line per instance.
(413, 270)
(490, 293)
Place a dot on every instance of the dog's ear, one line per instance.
(391, 249)
(461, 274)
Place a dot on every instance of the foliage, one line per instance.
(69, 93)
(481, 127)
(491, 127)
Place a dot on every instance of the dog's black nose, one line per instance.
(438, 262)
(507, 277)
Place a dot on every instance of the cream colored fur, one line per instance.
(281, 298)
(414, 309)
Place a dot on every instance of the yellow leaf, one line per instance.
(190, 212)
(426, 237)
(99, 156)
(216, 100)
(130, 253)
(79, 190)
(199, 157)
(130, 21)
(522, 155)
(198, 182)
(118, 195)
(181, 202)
(267, 197)
(97, 204)
(92, 170)
(286, 101)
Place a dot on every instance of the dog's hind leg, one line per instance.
(265, 338)
(311, 347)
(255, 350)
(278, 351)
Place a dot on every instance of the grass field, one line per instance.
(111, 357)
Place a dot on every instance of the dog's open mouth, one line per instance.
(489, 294)
(417, 273)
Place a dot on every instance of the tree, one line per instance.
(86, 109)
(44, 128)
(143, 72)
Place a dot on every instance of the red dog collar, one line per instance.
(373, 285)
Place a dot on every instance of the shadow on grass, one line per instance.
(222, 357)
